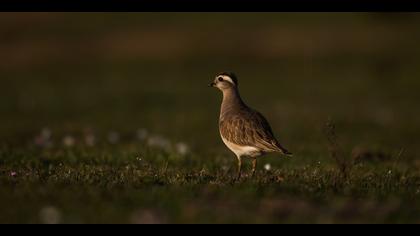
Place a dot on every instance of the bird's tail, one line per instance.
(283, 150)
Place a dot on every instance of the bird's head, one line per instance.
(225, 81)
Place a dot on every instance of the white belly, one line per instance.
(242, 150)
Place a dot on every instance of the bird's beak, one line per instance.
(212, 84)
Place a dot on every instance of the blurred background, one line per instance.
(121, 72)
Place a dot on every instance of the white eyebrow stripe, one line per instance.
(227, 78)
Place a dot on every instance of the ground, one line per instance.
(107, 118)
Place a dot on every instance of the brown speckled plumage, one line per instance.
(245, 131)
(247, 127)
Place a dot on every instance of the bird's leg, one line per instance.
(254, 166)
(238, 176)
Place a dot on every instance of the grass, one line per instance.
(125, 189)
(106, 118)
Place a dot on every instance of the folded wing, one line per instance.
(250, 128)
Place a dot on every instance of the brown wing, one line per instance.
(250, 128)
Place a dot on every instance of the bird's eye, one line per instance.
(220, 79)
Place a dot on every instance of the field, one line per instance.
(107, 117)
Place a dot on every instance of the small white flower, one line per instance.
(43, 139)
(159, 141)
(182, 148)
(142, 134)
(50, 215)
(145, 216)
(90, 140)
(69, 141)
(267, 167)
(46, 133)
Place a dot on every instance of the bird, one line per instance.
(245, 131)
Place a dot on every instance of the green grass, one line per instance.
(112, 186)
(101, 75)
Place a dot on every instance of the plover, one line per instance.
(244, 130)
